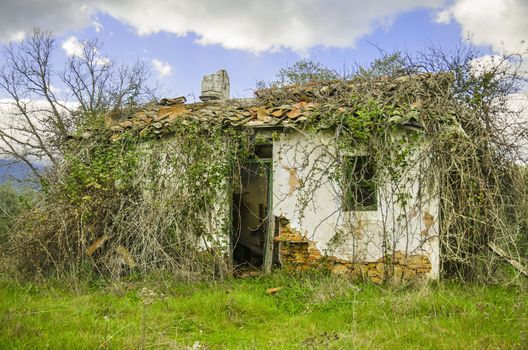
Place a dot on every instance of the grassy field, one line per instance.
(308, 312)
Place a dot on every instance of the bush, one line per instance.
(10, 206)
(13, 202)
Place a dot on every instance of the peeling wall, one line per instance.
(351, 240)
(298, 252)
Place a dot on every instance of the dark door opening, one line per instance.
(250, 243)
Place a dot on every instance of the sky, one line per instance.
(182, 40)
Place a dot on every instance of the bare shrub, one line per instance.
(117, 209)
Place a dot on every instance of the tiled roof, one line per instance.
(237, 112)
(278, 107)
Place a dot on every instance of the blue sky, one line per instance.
(182, 40)
(189, 61)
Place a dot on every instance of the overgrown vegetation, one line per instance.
(163, 204)
(469, 150)
(310, 311)
(149, 204)
(12, 203)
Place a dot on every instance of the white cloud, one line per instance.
(73, 47)
(163, 68)
(13, 124)
(102, 60)
(56, 90)
(19, 17)
(97, 26)
(443, 17)
(237, 24)
(18, 36)
(272, 24)
(498, 23)
(487, 63)
(264, 25)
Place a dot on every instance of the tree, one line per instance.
(306, 70)
(301, 72)
(39, 116)
(9, 207)
(388, 65)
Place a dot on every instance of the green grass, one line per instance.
(309, 312)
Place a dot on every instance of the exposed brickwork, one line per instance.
(297, 251)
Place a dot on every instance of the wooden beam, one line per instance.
(268, 243)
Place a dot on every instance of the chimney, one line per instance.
(215, 86)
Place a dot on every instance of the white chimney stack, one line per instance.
(215, 86)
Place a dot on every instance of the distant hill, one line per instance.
(10, 171)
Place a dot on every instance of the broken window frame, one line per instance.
(359, 186)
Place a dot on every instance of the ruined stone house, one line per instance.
(289, 211)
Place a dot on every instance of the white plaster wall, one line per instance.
(157, 162)
(300, 162)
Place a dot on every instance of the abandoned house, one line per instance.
(301, 200)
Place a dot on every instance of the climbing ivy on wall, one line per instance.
(140, 203)
(146, 202)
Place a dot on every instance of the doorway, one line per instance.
(252, 239)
